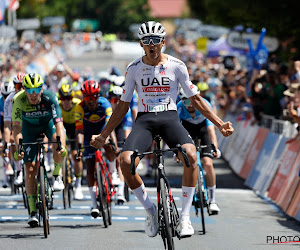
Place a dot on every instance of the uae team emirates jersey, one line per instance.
(157, 86)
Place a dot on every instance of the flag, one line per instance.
(13, 5)
(2, 11)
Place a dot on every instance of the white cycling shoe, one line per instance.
(151, 224)
(95, 212)
(58, 184)
(19, 180)
(33, 220)
(78, 195)
(186, 228)
(213, 208)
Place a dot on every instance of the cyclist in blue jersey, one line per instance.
(199, 127)
(91, 115)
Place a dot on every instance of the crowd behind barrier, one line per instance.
(262, 157)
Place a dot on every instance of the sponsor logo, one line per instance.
(18, 114)
(145, 69)
(162, 70)
(36, 113)
(184, 194)
(28, 150)
(60, 119)
(153, 101)
(123, 91)
(162, 81)
(148, 74)
(192, 86)
(156, 95)
(156, 89)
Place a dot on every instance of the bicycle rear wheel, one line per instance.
(166, 230)
(200, 198)
(101, 195)
(43, 206)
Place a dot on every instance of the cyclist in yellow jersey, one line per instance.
(67, 104)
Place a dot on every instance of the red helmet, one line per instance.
(90, 87)
(19, 78)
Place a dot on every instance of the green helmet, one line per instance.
(32, 80)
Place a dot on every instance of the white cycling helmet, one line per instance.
(151, 28)
(119, 80)
(7, 87)
(182, 95)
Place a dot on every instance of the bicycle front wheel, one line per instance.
(200, 197)
(43, 207)
(101, 195)
(65, 180)
(166, 232)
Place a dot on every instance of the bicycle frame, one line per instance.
(104, 171)
(203, 177)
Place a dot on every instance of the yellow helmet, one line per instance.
(65, 90)
(202, 86)
(32, 80)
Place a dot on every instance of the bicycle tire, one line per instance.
(126, 192)
(108, 204)
(167, 231)
(43, 203)
(100, 192)
(12, 184)
(65, 180)
(200, 198)
(70, 184)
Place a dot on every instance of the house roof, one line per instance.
(167, 8)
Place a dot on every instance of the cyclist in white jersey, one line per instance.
(17, 82)
(156, 77)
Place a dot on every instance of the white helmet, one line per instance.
(119, 80)
(151, 28)
(7, 87)
(182, 95)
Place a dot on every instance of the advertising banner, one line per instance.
(264, 157)
(284, 169)
(254, 152)
(294, 207)
(266, 176)
(286, 193)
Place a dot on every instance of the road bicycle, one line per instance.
(44, 190)
(200, 200)
(105, 189)
(68, 177)
(168, 216)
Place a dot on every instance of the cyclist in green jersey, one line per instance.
(36, 111)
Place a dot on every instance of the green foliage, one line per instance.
(114, 15)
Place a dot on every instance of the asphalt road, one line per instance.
(246, 221)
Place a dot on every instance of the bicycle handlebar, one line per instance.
(20, 148)
(157, 151)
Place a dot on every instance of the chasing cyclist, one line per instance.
(36, 111)
(199, 127)
(122, 131)
(7, 87)
(91, 115)
(68, 104)
(156, 77)
(17, 86)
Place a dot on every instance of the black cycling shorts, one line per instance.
(147, 125)
(199, 131)
(71, 133)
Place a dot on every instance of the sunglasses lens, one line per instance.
(35, 90)
(155, 40)
(88, 98)
(66, 98)
(186, 102)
